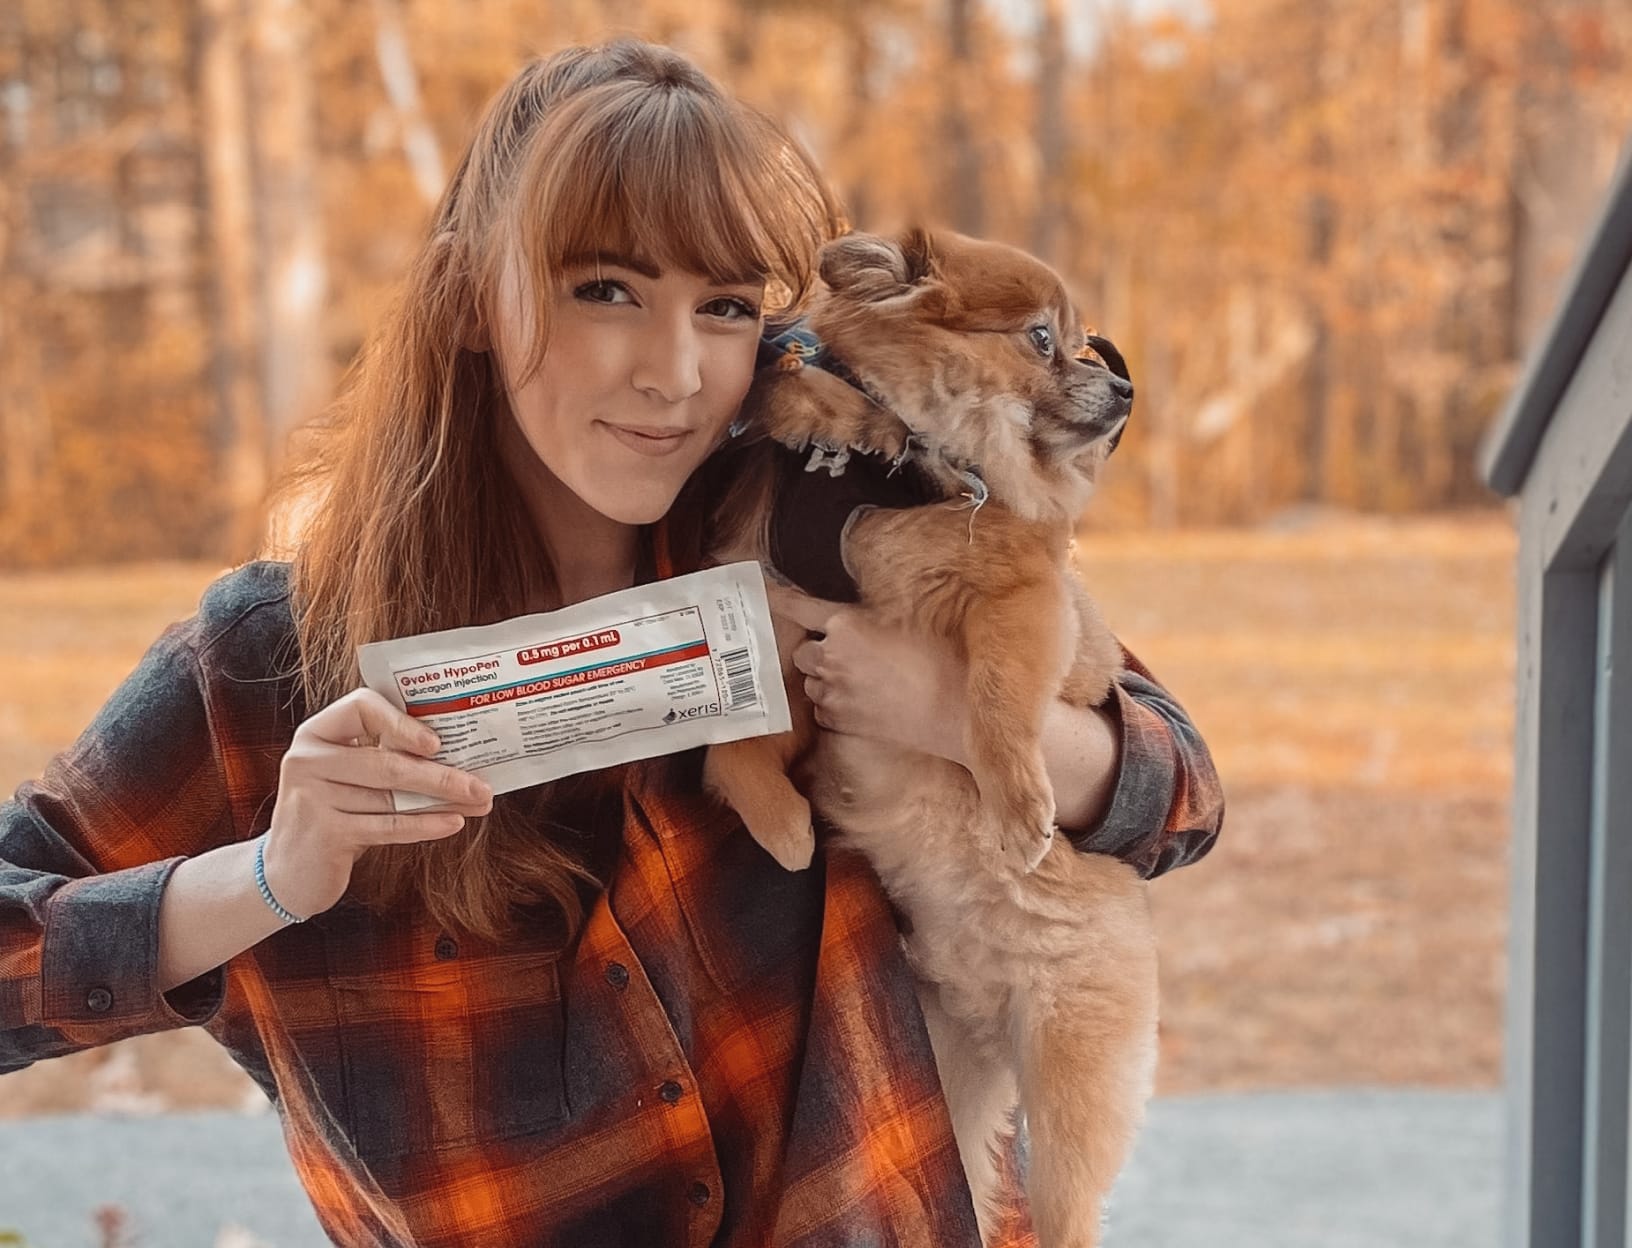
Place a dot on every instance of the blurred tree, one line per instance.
(24, 428)
(107, 438)
(293, 275)
(964, 198)
(226, 207)
(1324, 233)
(1053, 154)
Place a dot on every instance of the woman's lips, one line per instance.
(648, 440)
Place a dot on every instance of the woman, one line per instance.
(589, 1013)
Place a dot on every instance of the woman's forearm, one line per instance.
(211, 910)
(1080, 753)
(889, 684)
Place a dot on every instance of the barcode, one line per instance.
(739, 679)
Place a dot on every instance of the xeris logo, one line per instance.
(692, 712)
(670, 716)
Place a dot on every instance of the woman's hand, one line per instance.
(893, 686)
(334, 797)
(870, 680)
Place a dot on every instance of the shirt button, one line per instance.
(447, 948)
(99, 1000)
(671, 1091)
(699, 1194)
(617, 974)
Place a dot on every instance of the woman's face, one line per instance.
(644, 370)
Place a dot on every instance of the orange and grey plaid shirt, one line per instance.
(727, 1054)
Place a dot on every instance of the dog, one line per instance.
(950, 380)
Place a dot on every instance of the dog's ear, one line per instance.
(864, 266)
(918, 251)
(871, 268)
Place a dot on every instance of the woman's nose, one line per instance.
(669, 363)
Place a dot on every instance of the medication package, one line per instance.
(645, 671)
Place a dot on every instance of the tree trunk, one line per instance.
(1463, 318)
(1555, 184)
(294, 375)
(396, 62)
(1320, 232)
(963, 191)
(1048, 221)
(859, 105)
(227, 210)
(25, 422)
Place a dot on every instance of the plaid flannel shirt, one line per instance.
(728, 1054)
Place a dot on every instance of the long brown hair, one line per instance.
(410, 522)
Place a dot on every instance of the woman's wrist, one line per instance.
(300, 885)
(273, 904)
(940, 726)
(209, 912)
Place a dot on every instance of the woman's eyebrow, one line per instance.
(648, 268)
(588, 260)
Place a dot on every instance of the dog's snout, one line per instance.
(1123, 387)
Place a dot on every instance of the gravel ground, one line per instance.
(1327, 1169)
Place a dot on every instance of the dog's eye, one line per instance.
(1043, 339)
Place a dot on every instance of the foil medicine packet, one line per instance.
(645, 671)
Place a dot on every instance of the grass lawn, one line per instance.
(1353, 677)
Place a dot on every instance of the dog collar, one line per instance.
(822, 486)
(813, 510)
(797, 346)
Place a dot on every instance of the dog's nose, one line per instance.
(1123, 387)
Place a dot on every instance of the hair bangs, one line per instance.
(675, 177)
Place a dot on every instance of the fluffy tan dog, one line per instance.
(963, 363)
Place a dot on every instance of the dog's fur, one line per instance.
(1036, 962)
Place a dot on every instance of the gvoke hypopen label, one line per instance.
(645, 671)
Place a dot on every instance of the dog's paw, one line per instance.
(890, 440)
(1017, 815)
(1032, 836)
(1023, 825)
(790, 839)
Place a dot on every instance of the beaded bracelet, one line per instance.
(260, 880)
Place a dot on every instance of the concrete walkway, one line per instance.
(1342, 1169)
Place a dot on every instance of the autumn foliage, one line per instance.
(1323, 231)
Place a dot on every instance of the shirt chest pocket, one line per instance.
(442, 1043)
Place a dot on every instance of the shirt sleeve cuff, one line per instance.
(1146, 771)
(99, 966)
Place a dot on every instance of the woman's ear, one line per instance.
(472, 330)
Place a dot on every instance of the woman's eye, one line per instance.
(734, 309)
(601, 291)
(1043, 339)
